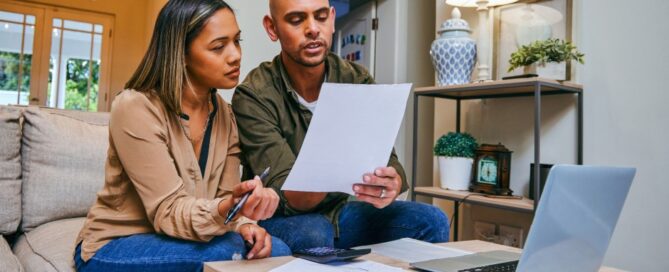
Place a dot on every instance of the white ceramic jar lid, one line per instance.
(455, 23)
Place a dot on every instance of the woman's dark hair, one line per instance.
(163, 68)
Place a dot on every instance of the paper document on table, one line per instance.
(303, 265)
(411, 250)
(353, 266)
(352, 132)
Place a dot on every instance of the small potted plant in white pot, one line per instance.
(455, 152)
(543, 51)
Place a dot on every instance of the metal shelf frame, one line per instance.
(536, 87)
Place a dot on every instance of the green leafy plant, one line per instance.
(551, 50)
(455, 144)
(9, 71)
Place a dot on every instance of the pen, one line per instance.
(241, 202)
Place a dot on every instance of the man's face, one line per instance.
(304, 29)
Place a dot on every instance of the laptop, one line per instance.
(572, 227)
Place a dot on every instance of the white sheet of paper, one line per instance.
(365, 265)
(304, 265)
(412, 250)
(351, 133)
(355, 266)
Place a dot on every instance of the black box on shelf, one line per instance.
(544, 169)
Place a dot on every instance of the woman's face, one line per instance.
(214, 56)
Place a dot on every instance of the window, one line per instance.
(54, 57)
(74, 65)
(17, 33)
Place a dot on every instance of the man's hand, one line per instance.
(260, 240)
(380, 188)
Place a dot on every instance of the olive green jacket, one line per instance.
(272, 126)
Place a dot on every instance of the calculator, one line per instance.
(329, 254)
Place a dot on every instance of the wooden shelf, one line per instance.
(500, 88)
(521, 205)
(523, 87)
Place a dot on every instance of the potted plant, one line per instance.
(543, 51)
(456, 153)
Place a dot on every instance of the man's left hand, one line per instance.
(379, 188)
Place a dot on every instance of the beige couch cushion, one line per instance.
(8, 262)
(49, 247)
(63, 155)
(10, 169)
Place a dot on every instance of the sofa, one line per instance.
(51, 166)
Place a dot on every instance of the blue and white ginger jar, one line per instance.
(454, 52)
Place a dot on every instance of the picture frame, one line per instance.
(521, 23)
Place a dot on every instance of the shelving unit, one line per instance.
(520, 205)
(536, 87)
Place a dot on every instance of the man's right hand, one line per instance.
(303, 201)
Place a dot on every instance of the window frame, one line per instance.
(39, 73)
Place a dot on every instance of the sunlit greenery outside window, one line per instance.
(76, 85)
(76, 80)
(9, 72)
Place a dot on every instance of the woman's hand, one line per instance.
(259, 238)
(260, 205)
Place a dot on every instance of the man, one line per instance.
(274, 106)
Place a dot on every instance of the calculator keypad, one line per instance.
(321, 251)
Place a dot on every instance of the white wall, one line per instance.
(403, 39)
(626, 122)
(256, 46)
(510, 121)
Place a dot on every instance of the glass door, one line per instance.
(74, 65)
(17, 36)
(54, 57)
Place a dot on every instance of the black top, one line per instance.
(204, 151)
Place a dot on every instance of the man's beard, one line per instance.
(297, 59)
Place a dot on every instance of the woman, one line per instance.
(172, 171)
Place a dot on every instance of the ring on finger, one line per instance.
(383, 193)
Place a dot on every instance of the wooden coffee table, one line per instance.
(270, 263)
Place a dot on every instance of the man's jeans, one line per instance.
(153, 252)
(361, 224)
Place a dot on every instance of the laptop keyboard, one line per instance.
(498, 267)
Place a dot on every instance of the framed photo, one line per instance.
(522, 23)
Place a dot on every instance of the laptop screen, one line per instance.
(575, 218)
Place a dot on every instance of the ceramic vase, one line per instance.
(454, 52)
(455, 172)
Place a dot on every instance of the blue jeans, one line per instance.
(154, 252)
(361, 224)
